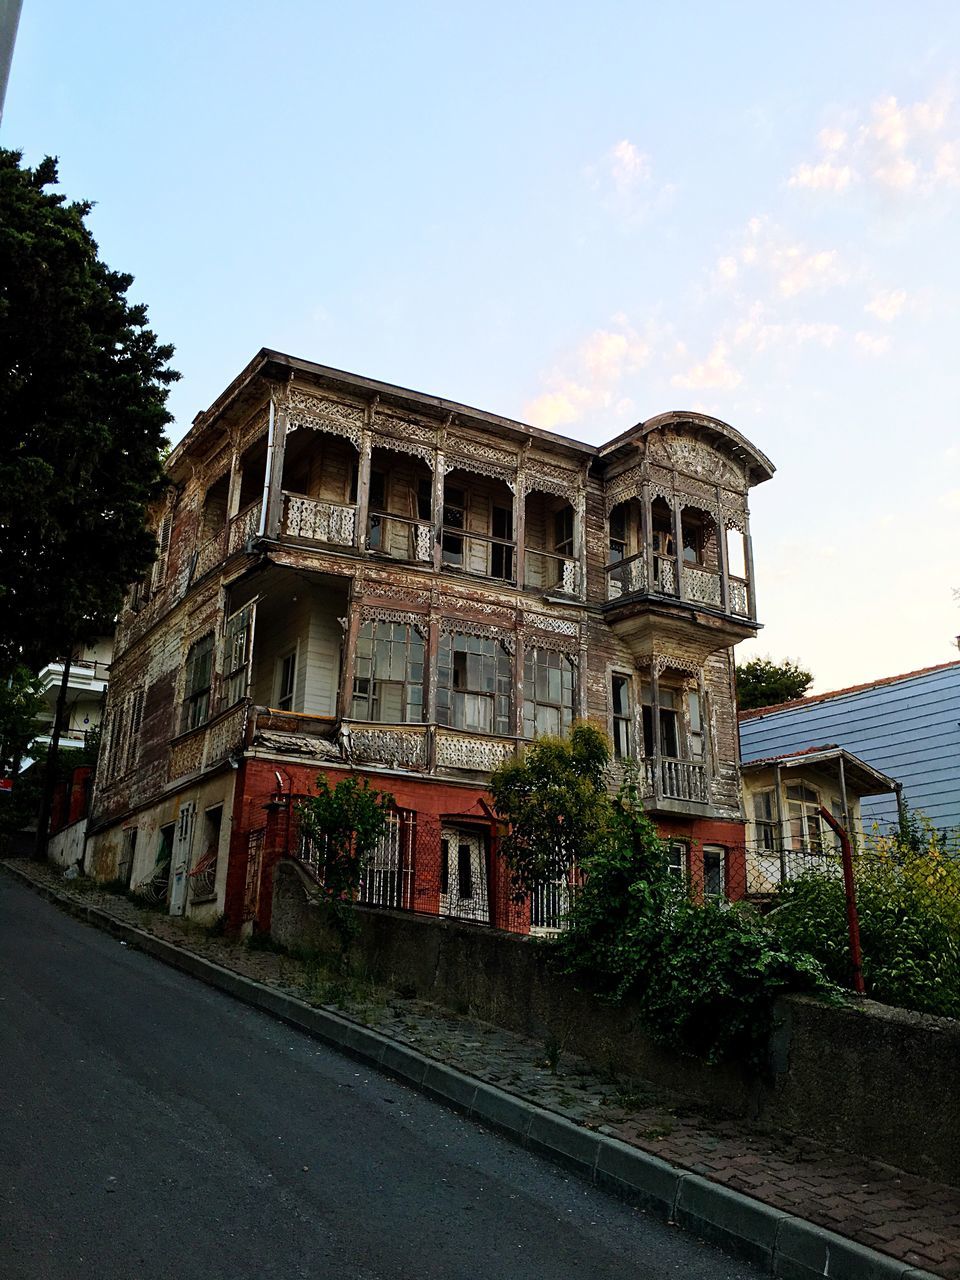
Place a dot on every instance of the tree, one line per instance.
(765, 683)
(83, 388)
(554, 800)
(345, 823)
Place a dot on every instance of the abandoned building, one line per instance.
(353, 576)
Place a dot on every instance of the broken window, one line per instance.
(388, 673)
(668, 721)
(237, 643)
(199, 678)
(547, 693)
(474, 684)
(286, 680)
(678, 860)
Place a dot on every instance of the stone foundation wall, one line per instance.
(876, 1081)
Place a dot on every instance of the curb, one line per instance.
(783, 1245)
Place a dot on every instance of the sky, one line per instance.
(576, 215)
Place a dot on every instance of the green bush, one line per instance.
(702, 976)
(908, 902)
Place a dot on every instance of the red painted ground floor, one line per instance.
(440, 852)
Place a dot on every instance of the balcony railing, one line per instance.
(209, 744)
(400, 537)
(318, 521)
(702, 586)
(210, 553)
(670, 779)
(244, 527)
(396, 746)
(478, 752)
(551, 572)
(479, 553)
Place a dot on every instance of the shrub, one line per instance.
(908, 902)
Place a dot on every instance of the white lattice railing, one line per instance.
(317, 521)
(739, 598)
(702, 586)
(626, 577)
(456, 750)
(550, 572)
(244, 527)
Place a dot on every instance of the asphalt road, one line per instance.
(153, 1128)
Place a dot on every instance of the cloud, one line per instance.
(887, 304)
(597, 368)
(872, 344)
(824, 176)
(792, 267)
(715, 371)
(624, 175)
(898, 148)
(628, 166)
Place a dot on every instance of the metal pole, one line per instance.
(853, 923)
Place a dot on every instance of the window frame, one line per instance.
(412, 689)
(719, 852)
(198, 697)
(565, 714)
(624, 720)
(455, 688)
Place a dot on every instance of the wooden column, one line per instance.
(655, 729)
(520, 526)
(722, 555)
(781, 833)
(345, 698)
(646, 534)
(678, 543)
(580, 534)
(274, 512)
(439, 463)
(363, 489)
(518, 661)
(233, 489)
(748, 558)
(430, 714)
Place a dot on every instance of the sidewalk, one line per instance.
(907, 1218)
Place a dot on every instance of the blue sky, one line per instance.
(576, 215)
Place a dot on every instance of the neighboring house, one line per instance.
(908, 726)
(783, 796)
(352, 575)
(86, 689)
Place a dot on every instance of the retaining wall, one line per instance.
(876, 1081)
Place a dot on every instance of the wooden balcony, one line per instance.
(210, 744)
(314, 520)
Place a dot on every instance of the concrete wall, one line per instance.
(66, 846)
(879, 1082)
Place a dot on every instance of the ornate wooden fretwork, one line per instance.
(466, 627)
(377, 613)
(482, 755)
(319, 413)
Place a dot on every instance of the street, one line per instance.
(151, 1127)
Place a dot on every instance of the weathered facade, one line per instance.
(355, 576)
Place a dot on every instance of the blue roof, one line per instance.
(907, 727)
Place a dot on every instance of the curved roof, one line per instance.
(738, 444)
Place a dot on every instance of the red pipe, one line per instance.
(853, 922)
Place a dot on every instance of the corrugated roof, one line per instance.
(840, 693)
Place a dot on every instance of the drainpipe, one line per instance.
(268, 469)
(853, 923)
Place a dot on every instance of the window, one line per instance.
(678, 860)
(135, 720)
(159, 570)
(563, 532)
(501, 556)
(803, 818)
(454, 519)
(622, 717)
(424, 498)
(388, 673)
(236, 655)
(668, 720)
(377, 504)
(286, 680)
(547, 693)
(474, 684)
(199, 677)
(618, 535)
(714, 871)
(692, 533)
(765, 820)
